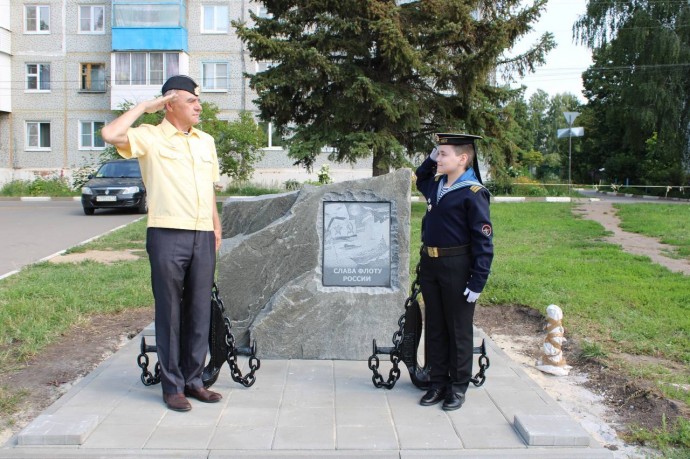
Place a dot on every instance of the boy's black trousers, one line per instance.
(448, 320)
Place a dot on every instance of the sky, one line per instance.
(565, 63)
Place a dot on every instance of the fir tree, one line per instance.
(378, 78)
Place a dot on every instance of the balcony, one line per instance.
(140, 25)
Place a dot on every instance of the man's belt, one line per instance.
(435, 252)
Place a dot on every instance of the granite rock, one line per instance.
(270, 273)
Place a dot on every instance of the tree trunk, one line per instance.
(380, 163)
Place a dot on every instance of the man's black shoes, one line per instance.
(432, 397)
(453, 401)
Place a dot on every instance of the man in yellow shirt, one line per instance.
(179, 167)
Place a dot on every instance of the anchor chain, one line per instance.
(235, 372)
(480, 377)
(143, 361)
(231, 357)
(394, 373)
(232, 352)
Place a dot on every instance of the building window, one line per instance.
(91, 19)
(38, 77)
(92, 77)
(214, 76)
(37, 135)
(37, 19)
(90, 135)
(149, 13)
(214, 19)
(163, 66)
(132, 69)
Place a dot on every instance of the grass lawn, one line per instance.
(670, 223)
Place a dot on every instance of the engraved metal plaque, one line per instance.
(356, 244)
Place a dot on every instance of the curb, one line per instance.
(40, 198)
(413, 198)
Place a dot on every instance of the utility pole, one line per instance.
(570, 118)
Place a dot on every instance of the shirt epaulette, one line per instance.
(475, 188)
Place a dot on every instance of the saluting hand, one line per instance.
(434, 154)
(157, 104)
(472, 297)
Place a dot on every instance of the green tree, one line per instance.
(238, 143)
(542, 118)
(538, 105)
(638, 88)
(517, 137)
(377, 78)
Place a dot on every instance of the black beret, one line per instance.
(182, 82)
(446, 138)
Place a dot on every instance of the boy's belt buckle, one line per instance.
(432, 252)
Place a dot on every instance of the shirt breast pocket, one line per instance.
(206, 156)
(169, 153)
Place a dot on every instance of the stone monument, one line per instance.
(320, 272)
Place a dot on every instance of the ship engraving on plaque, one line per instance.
(356, 244)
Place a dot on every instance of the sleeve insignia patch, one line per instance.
(475, 188)
(486, 230)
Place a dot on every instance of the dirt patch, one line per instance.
(101, 256)
(605, 214)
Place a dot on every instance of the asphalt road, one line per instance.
(31, 231)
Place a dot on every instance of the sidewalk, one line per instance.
(303, 408)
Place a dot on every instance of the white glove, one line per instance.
(472, 297)
(434, 154)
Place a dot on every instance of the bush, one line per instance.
(292, 185)
(249, 189)
(37, 187)
(81, 176)
(324, 175)
(525, 186)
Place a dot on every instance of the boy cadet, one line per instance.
(179, 167)
(456, 259)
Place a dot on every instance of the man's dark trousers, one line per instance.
(448, 320)
(182, 270)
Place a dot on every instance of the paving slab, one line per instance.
(309, 408)
(551, 430)
(57, 430)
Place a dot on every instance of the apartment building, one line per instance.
(5, 79)
(65, 65)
